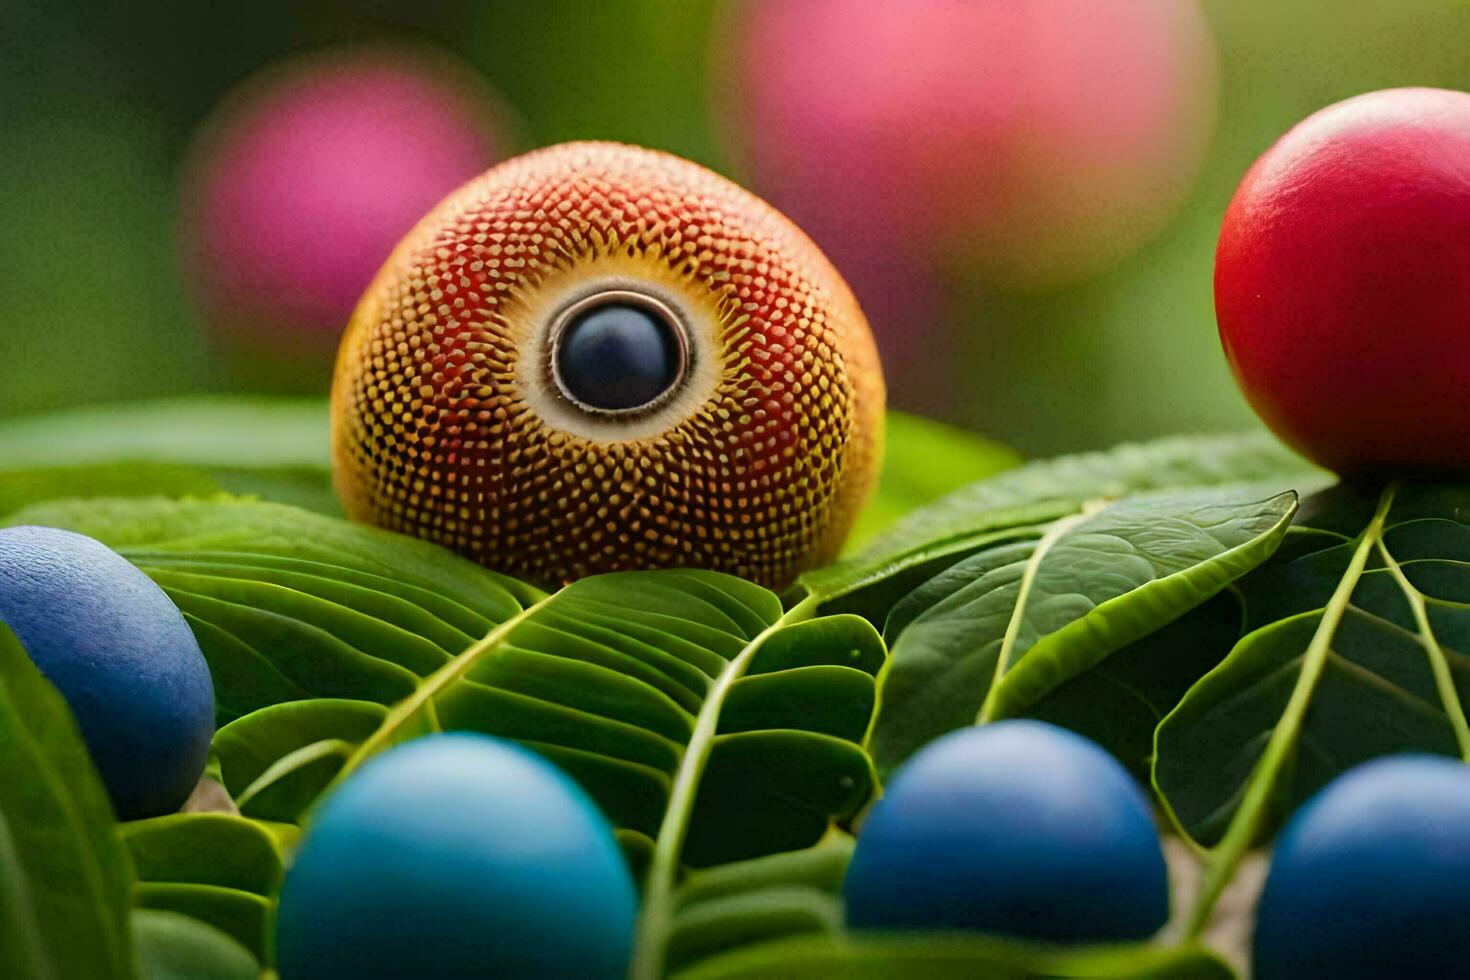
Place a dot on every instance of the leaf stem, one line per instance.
(291, 762)
(1438, 664)
(1245, 825)
(423, 696)
(658, 888)
(1055, 533)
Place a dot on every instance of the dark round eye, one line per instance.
(618, 352)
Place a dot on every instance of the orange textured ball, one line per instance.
(597, 357)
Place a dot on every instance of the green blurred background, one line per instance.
(101, 100)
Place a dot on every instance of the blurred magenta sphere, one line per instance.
(306, 176)
(1030, 143)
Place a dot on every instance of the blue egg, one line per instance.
(1019, 828)
(456, 856)
(617, 356)
(1371, 878)
(121, 655)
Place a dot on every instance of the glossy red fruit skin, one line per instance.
(1342, 283)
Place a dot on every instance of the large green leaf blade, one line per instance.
(65, 879)
(287, 604)
(624, 681)
(275, 762)
(995, 633)
(953, 956)
(757, 900)
(665, 771)
(243, 916)
(1375, 696)
(1158, 557)
(274, 448)
(22, 487)
(1120, 701)
(1046, 490)
(220, 869)
(277, 531)
(203, 431)
(924, 460)
(1356, 650)
(206, 849)
(173, 946)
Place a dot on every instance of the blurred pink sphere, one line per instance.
(1029, 143)
(307, 175)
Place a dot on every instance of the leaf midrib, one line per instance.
(1063, 636)
(656, 915)
(292, 761)
(657, 907)
(1018, 522)
(430, 687)
(1241, 832)
(1438, 663)
(1054, 534)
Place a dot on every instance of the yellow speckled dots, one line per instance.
(448, 421)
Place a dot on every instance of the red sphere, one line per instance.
(1342, 283)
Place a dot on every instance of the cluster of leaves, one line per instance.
(67, 904)
(1167, 599)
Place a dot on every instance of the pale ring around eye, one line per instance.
(678, 328)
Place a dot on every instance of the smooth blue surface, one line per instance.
(1371, 878)
(617, 356)
(119, 651)
(456, 856)
(1019, 828)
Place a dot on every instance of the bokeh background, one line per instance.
(1024, 193)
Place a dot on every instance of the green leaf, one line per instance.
(288, 604)
(953, 956)
(309, 489)
(273, 448)
(709, 724)
(243, 916)
(1120, 701)
(213, 431)
(65, 881)
(922, 461)
(24, 487)
(782, 915)
(757, 900)
(1047, 490)
(205, 849)
(722, 734)
(1355, 649)
(993, 634)
(276, 762)
(172, 946)
(221, 869)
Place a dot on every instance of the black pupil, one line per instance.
(617, 356)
